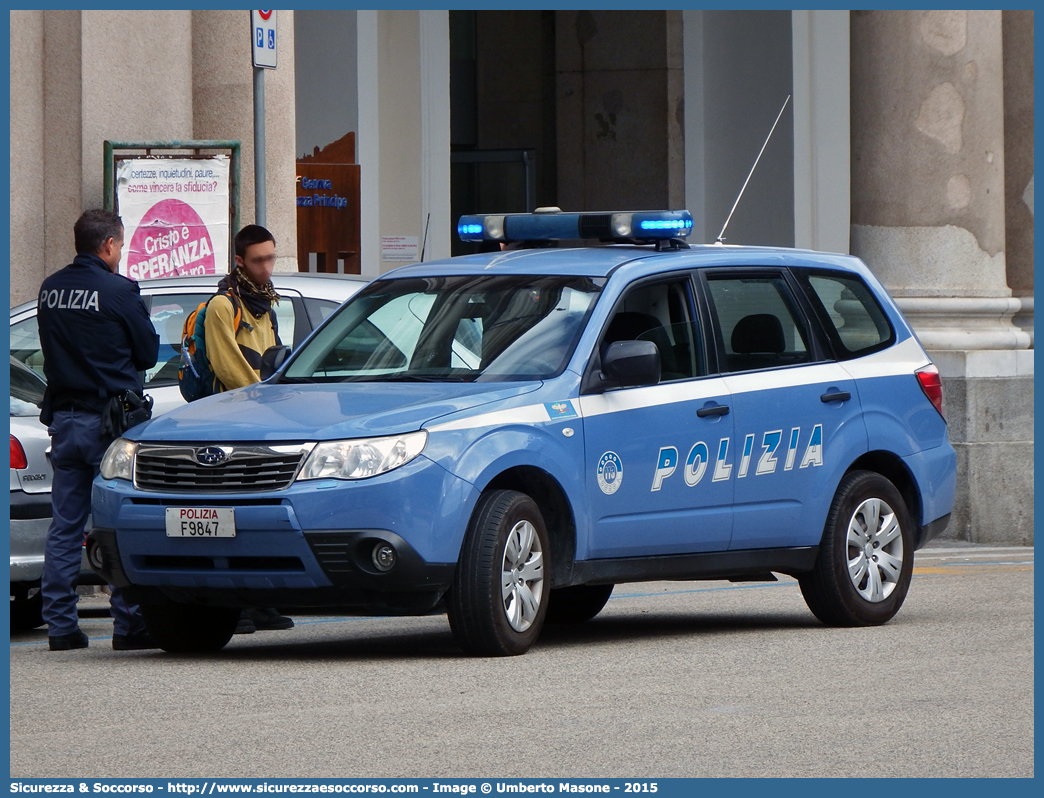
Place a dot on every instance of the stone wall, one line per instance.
(988, 403)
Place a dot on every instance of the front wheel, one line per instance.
(865, 561)
(190, 628)
(499, 596)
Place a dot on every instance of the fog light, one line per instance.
(94, 555)
(383, 557)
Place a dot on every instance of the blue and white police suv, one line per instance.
(508, 435)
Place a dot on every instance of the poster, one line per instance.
(175, 216)
(399, 248)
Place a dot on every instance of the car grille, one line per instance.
(239, 468)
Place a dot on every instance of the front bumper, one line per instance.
(412, 586)
(309, 545)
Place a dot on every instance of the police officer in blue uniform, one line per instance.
(96, 336)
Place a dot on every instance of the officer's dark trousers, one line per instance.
(76, 453)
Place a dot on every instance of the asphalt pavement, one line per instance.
(672, 679)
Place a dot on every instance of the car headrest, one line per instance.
(628, 325)
(758, 333)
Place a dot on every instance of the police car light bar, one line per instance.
(553, 225)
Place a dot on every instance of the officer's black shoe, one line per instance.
(245, 626)
(267, 619)
(68, 642)
(136, 642)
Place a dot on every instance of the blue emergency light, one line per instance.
(554, 225)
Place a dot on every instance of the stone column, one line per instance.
(62, 151)
(928, 217)
(928, 171)
(27, 259)
(404, 147)
(400, 163)
(1018, 159)
(223, 108)
(620, 110)
(121, 101)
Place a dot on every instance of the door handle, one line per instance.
(836, 396)
(717, 410)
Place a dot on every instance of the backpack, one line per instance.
(195, 377)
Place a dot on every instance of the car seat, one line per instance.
(628, 325)
(757, 343)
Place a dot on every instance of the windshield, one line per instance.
(454, 329)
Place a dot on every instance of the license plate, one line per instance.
(201, 522)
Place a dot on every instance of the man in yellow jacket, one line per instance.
(235, 354)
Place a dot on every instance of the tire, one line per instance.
(190, 628)
(26, 611)
(865, 561)
(496, 608)
(577, 604)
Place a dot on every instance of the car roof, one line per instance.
(332, 286)
(297, 281)
(603, 261)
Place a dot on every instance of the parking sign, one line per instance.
(263, 38)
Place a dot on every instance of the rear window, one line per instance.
(27, 391)
(855, 321)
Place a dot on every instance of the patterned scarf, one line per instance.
(258, 299)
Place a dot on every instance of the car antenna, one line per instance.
(425, 242)
(721, 236)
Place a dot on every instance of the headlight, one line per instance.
(118, 462)
(365, 457)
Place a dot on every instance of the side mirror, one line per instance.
(272, 359)
(632, 363)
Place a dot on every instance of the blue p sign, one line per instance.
(260, 37)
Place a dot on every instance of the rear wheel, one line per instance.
(26, 609)
(865, 559)
(190, 628)
(577, 604)
(499, 596)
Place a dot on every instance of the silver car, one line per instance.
(307, 301)
(30, 496)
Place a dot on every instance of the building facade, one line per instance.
(907, 140)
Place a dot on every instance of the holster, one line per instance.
(125, 410)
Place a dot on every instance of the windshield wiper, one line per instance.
(407, 377)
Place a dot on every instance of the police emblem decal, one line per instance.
(211, 456)
(610, 473)
(563, 409)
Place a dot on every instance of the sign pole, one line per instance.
(259, 146)
(263, 56)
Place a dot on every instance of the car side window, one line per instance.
(286, 319)
(168, 313)
(661, 313)
(856, 323)
(319, 309)
(758, 322)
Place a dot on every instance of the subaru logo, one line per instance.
(211, 456)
